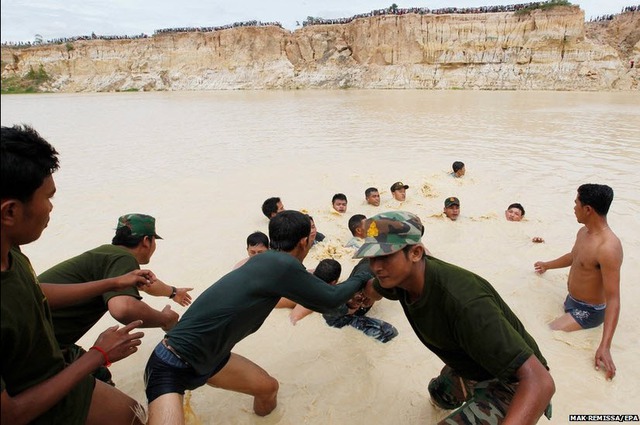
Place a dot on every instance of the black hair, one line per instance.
(27, 159)
(457, 165)
(355, 221)
(518, 206)
(257, 238)
(270, 206)
(328, 270)
(287, 228)
(123, 237)
(597, 196)
(339, 196)
(369, 191)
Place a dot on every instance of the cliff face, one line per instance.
(544, 50)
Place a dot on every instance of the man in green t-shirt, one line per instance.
(134, 243)
(198, 350)
(37, 386)
(494, 371)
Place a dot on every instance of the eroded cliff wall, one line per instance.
(543, 50)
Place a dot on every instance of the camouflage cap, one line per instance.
(390, 232)
(452, 200)
(140, 224)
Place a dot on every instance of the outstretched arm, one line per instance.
(125, 308)
(24, 407)
(565, 261)
(298, 313)
(610, 262)
(370, 293)
(535, 388)
(161, 289)
(64, 295)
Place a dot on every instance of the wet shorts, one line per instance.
(587, 315)
(166, 373)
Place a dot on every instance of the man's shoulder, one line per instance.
(273, 257)
(611, 246)
(110, 249)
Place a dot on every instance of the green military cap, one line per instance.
(390, 232)
(140, 224)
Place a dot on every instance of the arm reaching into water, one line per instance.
(610, 261)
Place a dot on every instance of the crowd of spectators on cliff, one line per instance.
(611, 16)
(426, 11)
(93, 36)
(318, 21)
(218, 28)
(64, 40)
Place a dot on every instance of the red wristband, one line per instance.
(107, 363)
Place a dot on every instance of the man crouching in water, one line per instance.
(198, 350)
(594, 277)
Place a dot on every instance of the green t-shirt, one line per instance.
(465, 322)
(106, 261)
(237, 305)
(30, 353)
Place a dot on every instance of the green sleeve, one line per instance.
(119, 266)
(488, 338)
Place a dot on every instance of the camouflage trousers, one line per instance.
(484, 402)
(73, 352)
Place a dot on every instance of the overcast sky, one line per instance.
(23, 19)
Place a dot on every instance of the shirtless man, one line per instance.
(594, 277)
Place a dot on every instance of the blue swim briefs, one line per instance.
(166, 373)
(587, 315)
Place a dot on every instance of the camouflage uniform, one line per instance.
(476, 402)
(485, 402)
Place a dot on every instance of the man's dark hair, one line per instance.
(597, 196)
(340, 196)
(458, 165)
(123, 237)
(355, 221)
(26, 160)
(257, 238)
(287, 228)
(518, 206)
(328, 270)
(270, 206)
(369, 191)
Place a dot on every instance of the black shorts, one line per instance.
(166, 373)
